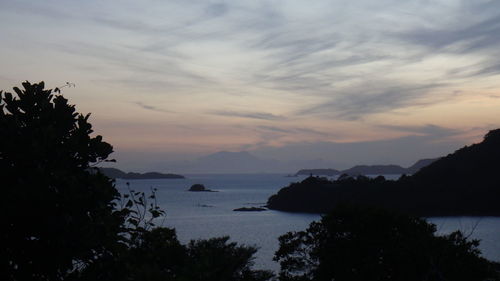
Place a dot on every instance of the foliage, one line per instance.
(64, 220)
(53, 206)
(217, 260)
(373, 244)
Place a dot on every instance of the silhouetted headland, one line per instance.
(119, 174)
(465, 182)
(370, 169)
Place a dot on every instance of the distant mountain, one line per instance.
(419, 165)
(370, 169)
(116, 173)
(375, 170)
(463, 183)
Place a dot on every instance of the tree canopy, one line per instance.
(372, 244)
(52, 205)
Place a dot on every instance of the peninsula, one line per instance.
(464, 183)
(119, 174)
(370, 169)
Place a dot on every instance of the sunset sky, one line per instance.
(175, 80)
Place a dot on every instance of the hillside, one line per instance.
(463, 183)
(369, 169)
(375, 170)
(116, 173)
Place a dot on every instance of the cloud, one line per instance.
(473, 32)
(488, 70)
(182, 15)
(425, 130)
(473, 37)
(143, 71)
(321, 62)
(294, 130)
(275, 129)
(152, 108)
(250, 115)
(216, 10)
(35, 8)
(357, 102)
(132, 25)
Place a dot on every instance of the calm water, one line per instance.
(198, 215)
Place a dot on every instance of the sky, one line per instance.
(344, 82)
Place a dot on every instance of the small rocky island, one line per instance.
(199, 188)
(250, 209)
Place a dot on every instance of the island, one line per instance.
(370, 169)
(250, 209)
(199, 188)
(464, 183)
(116, 173)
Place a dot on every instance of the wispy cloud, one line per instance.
(250, 115)
(275, 129)
(152, 108)
(473, 37)
(425, 130)
(356, 103)
(294, 130)
(314, 65)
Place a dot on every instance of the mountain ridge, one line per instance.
(369, 169)
(117, 173)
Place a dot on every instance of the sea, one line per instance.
(203, 215)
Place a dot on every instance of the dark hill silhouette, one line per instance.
(369, 169)
(116, 173)
(375, 170)
(465, 182)
(419, 165)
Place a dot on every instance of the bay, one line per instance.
(202, 215)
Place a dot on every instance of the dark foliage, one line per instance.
(62, 219)
(463, 183)
(353, 244)
(56, 216)
(217, 260)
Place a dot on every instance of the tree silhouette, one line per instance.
(373, 244)
(57, 216)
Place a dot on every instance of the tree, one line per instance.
(217, 260)
(373, 244)
(56, 215)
